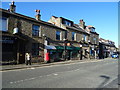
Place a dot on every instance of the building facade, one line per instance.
(93, 41)
(76, 36)
(106, 48)
(55, 40)
(22, 34)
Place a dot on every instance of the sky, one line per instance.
(102, 15)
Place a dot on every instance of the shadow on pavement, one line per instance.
(106, 79)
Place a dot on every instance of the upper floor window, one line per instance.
(35, 30)
(73, 36)
(4, 25)
(84, 37)
(67, 23)
(58, 35)
(94, 40)
(92, 29)
(65, 35)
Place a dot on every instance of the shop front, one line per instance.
(13, 49)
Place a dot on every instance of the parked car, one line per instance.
(114, 55)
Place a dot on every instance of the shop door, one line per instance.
(21, 53)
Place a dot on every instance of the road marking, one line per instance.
(109, 82)
(76, 69)
(55, 74)
(32, 68)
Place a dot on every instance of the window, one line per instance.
(94, 40)
(35, 49)
(4, 26)
(92, 29)
(84, 37)
(73, 36)
(65, 35)
(58, 35)
(35, 30)
(67, 22)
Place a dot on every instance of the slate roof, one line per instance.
(29, 18)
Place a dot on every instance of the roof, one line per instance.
(91, 26)
(77, 29)
(29, 18)
(66, 19)
(94, 33)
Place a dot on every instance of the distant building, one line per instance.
(106, 48)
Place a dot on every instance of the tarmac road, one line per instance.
(96, 74)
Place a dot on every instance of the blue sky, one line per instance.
(102, 15)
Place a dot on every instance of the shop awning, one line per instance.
(76, 48)
(59, 47)
(50, 47)
(68, 48)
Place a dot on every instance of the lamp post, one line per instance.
(81, 52)
(45, 49)
(65, 44)
(89, 48)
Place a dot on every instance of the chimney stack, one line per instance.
(12, 7)
(82, 24)
(37, 14)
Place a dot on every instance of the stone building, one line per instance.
(57, 39)
(93, 41)
(106, 48)
(22, 34)
(76, 35)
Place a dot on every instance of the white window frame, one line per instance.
(94, 40)
(75, 37)
(60, 34)
(40, 32)
(2, 23)
(85, 37)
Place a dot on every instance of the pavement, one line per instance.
(23, 66)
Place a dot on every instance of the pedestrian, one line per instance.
(81, 54)
(28, 59)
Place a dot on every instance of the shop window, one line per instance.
(4, 25)
(36, 30)
(35, 49)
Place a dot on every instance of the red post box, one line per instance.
(47, 57)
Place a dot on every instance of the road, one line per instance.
(95, 74)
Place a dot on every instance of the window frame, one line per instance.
(85, 37)
(35, 30)
(1, 18)
(74, 36)
(60, 35)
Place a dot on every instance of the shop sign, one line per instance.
(7, 40)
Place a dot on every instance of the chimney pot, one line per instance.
(12, 6)
(37, 14)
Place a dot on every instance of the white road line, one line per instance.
(55, 74)
(109, 81)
